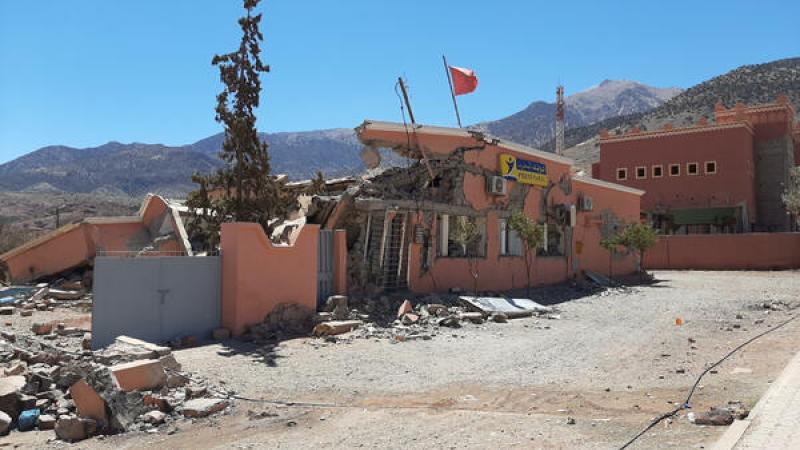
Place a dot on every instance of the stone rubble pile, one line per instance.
(27, 300)
(385, 319)
(131, 385)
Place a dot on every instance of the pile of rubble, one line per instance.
(406, 322)
(131, 385)
(44, 297)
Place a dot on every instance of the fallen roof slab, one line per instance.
(512, 307)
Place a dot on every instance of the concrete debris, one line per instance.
(203, 407)
(511, 307)
(79, 393)
(719, 416)
(405, 308)
(335, 327)
(5, 423)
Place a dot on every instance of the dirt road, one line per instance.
(591, 379)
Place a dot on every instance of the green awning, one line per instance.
(701, 216)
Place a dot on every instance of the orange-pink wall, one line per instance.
(76, 244)
(69, 249)
(257, 275)
(731, 148)
(725, 251)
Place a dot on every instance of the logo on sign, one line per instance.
(523, 171)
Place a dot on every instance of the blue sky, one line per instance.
(82, 73)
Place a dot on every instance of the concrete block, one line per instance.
(7, 310)
(70, 429)
(133, 342)
(46, 422)
(203, 407)
(41, 328)
(139, 375)
(88, 402)
(10, 388)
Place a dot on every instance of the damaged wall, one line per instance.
(462, 162)
(157, 229)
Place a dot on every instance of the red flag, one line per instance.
(464, 80)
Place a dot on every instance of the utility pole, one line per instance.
(414, 126)
(559, 120)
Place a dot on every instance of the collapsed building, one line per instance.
(404, 225)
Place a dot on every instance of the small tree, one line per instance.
(791, 197)
(244, 188)
(611, 244)
(465, 233)
(638, 237)
(531, 234)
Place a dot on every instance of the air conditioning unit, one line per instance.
(586, 203)
(496, 185)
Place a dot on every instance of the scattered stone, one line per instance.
(88, 402)
(5, 423)
(17, 369)
(221, 334)
(716, 416)
(155, 417)
(8, 335)
(409, 319)
(46, 422)
(499, 317)
(26, 313)
(86, 342)
(335, 327)
(7, 310)
(203, 407)
(570, 421)
(139, 375)
(405, 308)
(450, 321)
(40, 328)
(10, 388)
(195, 391)
(70, 429)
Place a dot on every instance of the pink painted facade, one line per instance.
(498, 272)
(77, 244)
(258, 275)
(753, 251)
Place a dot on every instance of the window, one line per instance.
(691, 168)
(553, 244)
(461, 236)
(641, 172)
(674, 170)
(658, 171)
(622, 173)
(510, 243)
(711, 167)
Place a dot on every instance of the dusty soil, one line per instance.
(612, 362)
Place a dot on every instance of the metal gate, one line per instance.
(155, 298)
(324, 267)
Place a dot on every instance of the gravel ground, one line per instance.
(611, 363)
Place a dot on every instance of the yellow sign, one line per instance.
(523, 171)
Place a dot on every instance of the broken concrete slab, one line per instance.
(70, 429)
(405, 308)
(511, 307)
(88, 402)
(7, 310)
(202, 407)
(336, 327)
(10, 388)
(160, 350)
(60, 294)
(139, 375)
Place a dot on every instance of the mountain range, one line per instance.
(117, 169)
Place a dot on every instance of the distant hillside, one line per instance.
(136, 168)
(534, 125)
(751, 84)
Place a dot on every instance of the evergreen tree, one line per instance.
(243, 190)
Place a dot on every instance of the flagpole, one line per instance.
(452, 93)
